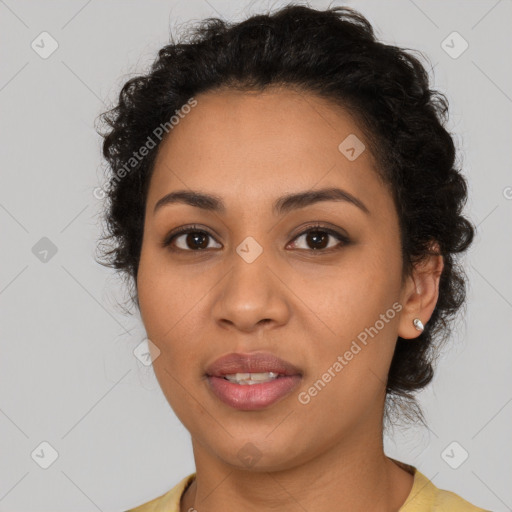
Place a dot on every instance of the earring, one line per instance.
(417, 323)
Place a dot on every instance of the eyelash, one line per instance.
(316, 227)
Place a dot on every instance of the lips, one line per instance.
(257, 395)
(258, 362)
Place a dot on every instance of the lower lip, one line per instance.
(250, 397)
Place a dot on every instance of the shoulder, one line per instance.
(424, 497)
(168, 502)
(427, 497)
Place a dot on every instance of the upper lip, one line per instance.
(257, 362)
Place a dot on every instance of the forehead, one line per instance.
(246, 145)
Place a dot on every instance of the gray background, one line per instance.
(68, 374)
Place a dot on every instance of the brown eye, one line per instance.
(188, 239)
(195, 240)
(317, 239)
(320, 239)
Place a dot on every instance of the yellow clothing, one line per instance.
(424, 497)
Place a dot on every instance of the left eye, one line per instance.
(318, 239)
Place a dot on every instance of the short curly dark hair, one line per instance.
(334, 54)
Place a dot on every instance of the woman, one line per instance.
(284, 200)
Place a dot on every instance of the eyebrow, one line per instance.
(281, 206)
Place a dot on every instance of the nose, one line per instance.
(251, 297)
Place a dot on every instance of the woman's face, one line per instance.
(261, 280)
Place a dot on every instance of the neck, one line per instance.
(354, 474)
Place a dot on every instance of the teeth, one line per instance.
(251, 378)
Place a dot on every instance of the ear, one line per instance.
(420, 293)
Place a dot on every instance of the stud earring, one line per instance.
(417, 323)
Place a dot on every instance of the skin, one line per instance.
(303, 305)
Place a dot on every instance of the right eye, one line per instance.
(188, 239)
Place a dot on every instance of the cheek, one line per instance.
(167, 295)
(163, 306)
(171, 306)
(359, 314)
(350, 295)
